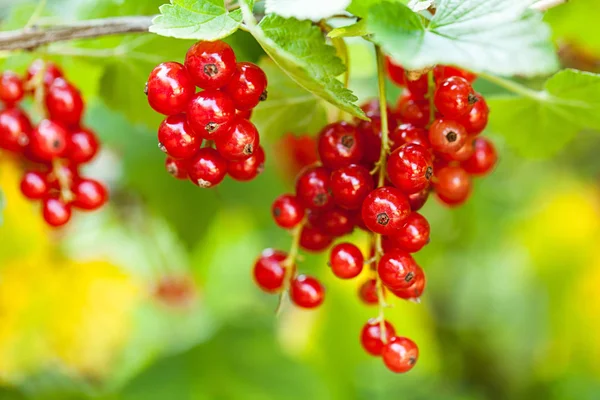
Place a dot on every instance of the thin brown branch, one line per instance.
(33, 37)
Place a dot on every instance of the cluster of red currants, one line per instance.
(379, 183)
(56, 147)
(207, 135)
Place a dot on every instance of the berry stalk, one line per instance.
(290, 262)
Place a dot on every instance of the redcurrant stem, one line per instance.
(290, 262)
(65, 191)
(430, 95)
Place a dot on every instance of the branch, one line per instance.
(33, 37)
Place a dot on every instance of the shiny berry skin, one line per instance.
(384, 210)
(169, 88)
(371, 109)
(442, 72)
(336, 222)
(176, 138)
(419, 87)
(447, 136)
(15, 128)
(340, 145)
(313, 239)
(396, 269)
(210, 64)
(395, 72)
(51, 71)
(476, 120)
(34, 185)
(408, 133)
(55, 211)
(246, 114)
(248, 169)
(82, 146)
(207, 168)
(269, 270)
(454, 97)
(410, 167)
(462, 154)
(11, 88)
(64, 102)
(483, 159)
(452, 185)
(418, 200)
(287, 211)
(247, 87)
(413, 111)
(415, 290)
(312, 188)
(306, 292)
(370, 337)
(350, 186)
(239, 141)
(48, 140)
(346, 260)
(368, 292)
(371, 138)
(176, 168)
(414, 234)
(209, 113)
(89, 194)
(400, 354)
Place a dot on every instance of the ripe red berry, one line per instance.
(415, 290)
(207, 168)
(269, 271)
(396, 269)
(312, 238)
(454, 97)
(350, 185)
(340, 145)
(48, 140)
(452, 185)
(55, 211)
(483, 159)
(370, 131)
(418, 200)
(210, 112)
(169, 88)
(248, 169)
(246, 114)
(176, 138)
(372, 109)
(248, 86)
(82, 146)
(239, 141)
(51, 71)
(210, 64)
(312, 188)
(64, 102)
(395, 72)
(447, 136)
(34, 185)
(336, 222)
(177, 168)
(413, 111)
(408, 133)
(371, 336)
(346, 260)
(400, 354)
(89, 194)
(441, 72)
(287, 211)
(410, 167)
(384, 210)
(462, 154)
(15, 128)
(368, 292)
(306, 292)
(419, 87)
(476, 120)
(414, 234)
(11, 88)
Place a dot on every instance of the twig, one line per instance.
(545, 5)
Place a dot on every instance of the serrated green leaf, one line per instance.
(193, 19)
(502, 37)
(540, 125)
(357, 29)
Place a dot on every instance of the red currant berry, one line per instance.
(169, 88)
(418, 87)
(370, 131)
(414, 234)
(372, 109)
(408, 133)
(51, 71)
(336, 222)
(410, 167)
(248, 169)
(14, 130)
(176, 138)
(313, 239)
(246, 114)
(82, 146)
(248, 86)
(177, 168)
(239, 141)
(207, 168)
(64, 102)
(11, 88)
(210, 64)
(418, 200)
(210, 112)
(89, 194)
(463, 154)
(452, 185)
(397, 269)
(400, 354)
(384, 210)
(447, 136)
(287, 211)
(483, 159)
(340, 145)
(306, 292)
(442, 72)
(371, 336)
(454, 97)
(312, 188)
(415, 290)
(350, 185)
(55, 211)
(476, 120)
(368, 292)
(269, 271)
(34, 185)
(412, 111)
(48, 140)
(395, 72)
(346, 260)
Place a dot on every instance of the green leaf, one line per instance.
(193, 19)
(361, 7)
(575, 24)
(502, 37)
(541, 124)
(357, 29)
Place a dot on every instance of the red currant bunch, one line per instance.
(207, 135)
(54, 148)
